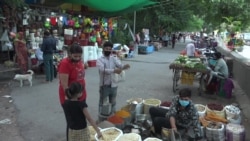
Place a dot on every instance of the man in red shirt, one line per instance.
(71, 69)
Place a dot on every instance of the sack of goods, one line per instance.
(201, 109)
(215, 131)
(217, 109)
(235, 132)
(233, 114)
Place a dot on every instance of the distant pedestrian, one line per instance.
(48, 48)
(165, 39)
(173, 39)
(76, 113)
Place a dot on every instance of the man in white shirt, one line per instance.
(108, 66)
(190, 49)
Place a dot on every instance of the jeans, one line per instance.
(107, 95)
(48, 65)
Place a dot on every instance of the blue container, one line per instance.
(145, 49)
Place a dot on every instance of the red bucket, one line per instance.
(92, 63)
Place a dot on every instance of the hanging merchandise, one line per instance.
(47, 24)
(4, 36)
(65, 20)
(77, 25)
(53, 21)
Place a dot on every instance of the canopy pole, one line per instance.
(134, 22)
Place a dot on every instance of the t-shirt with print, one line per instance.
(76, 73)
(75, 117)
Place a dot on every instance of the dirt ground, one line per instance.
(8, 131)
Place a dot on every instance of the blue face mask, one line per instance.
(184, 103)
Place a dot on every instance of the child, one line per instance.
(76, 114)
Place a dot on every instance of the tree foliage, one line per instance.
(190, 15)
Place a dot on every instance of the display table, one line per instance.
(145, 49)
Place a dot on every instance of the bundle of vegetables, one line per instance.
(215, 118)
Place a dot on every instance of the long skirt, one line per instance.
(79, 135)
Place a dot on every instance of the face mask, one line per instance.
(107, 53)
(184, 103)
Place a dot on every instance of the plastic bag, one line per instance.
(119, 77)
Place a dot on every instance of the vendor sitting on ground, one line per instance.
(220, 70)
(181, 115)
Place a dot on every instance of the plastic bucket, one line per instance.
(150, 103)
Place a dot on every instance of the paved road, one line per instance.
(41, 117)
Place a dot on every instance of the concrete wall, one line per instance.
(241, 67)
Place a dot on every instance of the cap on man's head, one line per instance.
(108, 44)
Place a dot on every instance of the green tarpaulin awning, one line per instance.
(113, 6)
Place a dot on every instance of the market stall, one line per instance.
(132, 123)
(186, 69)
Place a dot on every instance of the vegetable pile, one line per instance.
(184, 61)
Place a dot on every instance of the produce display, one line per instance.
(214, 106)
(188, 63)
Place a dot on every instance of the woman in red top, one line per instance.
(71, 69)
(21, 52)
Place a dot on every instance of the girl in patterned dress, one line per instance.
(76, 114)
